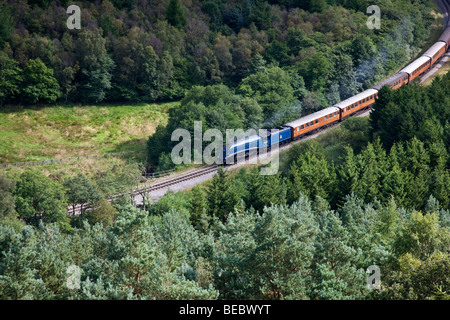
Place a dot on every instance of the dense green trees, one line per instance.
(412, 112)
(175, 14)
(95, 66)
(80, 190)
(40, 198)
(10, 78)
(222, 196)
(148, 256)
(33, 198)
(7, 207)
(34, 84)
(39, 83)
(299, 251)
(206, 43)
(270, 88)
(6, 24)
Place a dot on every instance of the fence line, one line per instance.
(44, 162)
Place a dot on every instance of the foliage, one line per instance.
(102, 212)
(7, 206)
(361, 195)
(175, 14)
(80, 190)
(117, 57)
(420, 112)
(10, 78)
(39, 83)
(95, 66)
(271, 89)
(40, 198)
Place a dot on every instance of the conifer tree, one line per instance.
(175, 14)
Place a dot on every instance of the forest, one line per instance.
(140, 50)
(356, 197)
(373, 191)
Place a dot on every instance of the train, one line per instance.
(319, 120)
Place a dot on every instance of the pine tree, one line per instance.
(198, 209)
(388, 221)
(284, 239)
(19, 279)
(348, 175)
(222, 195)
(175, 14)
(313, 176)
(7, 205)
(371, 165)
(332, 249)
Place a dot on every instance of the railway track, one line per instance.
(160, 185)
(177, 180)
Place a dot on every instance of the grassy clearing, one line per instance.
(54, 132)
(92, 168)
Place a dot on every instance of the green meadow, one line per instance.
(55, 132)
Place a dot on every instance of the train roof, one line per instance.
(390, 80)
(415, 64)
(312, 116)
(445, 36)
(434, 49)
(356, 98)
(248, 139)
(270, 132)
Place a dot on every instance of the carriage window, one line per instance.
(335, 113)
(317, 121)
(312, 122)
(302, 127)
(307, 125)
(326, 117)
